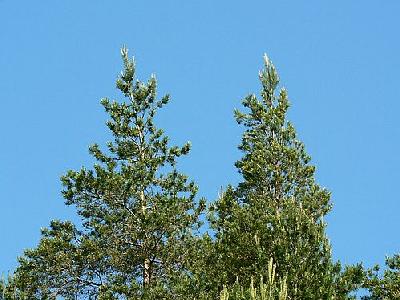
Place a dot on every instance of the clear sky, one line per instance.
(339, 61)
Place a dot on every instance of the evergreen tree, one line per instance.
(277, 211)
(138, 214)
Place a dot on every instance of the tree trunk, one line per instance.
(146, 263)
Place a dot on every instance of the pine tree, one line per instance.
(277, 211)
(138, 213)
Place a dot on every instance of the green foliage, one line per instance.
(278, 209)
(4, 293)
(139, 233)
(8, 290)
(349, 280)
(269, 290)
(139, 214)
(386, 286)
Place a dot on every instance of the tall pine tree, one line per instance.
(277, 211)
(138, 213)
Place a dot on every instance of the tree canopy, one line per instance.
(139, 234)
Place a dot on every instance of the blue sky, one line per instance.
(338, 60)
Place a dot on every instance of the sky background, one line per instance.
(339, 61)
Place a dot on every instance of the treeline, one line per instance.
(139, 237)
